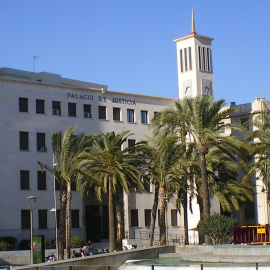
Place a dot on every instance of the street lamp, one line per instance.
(31, 200)
(56, 234)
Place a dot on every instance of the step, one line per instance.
(213, 258)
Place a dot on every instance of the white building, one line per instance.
(35, 105)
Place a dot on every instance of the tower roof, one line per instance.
(193, 32)
(192, 23)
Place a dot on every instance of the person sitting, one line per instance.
(88, 249)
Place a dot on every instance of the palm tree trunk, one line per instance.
(153, 216)
(62, 223)
(185, 206)
(111, 218)
(120, 221)
(68, 220)
(162, 223)
(205, 190)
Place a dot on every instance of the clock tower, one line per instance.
(194, 64)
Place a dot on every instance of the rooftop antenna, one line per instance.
(34, 62)
(261, 92)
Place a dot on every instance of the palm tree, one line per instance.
(164, 154)
(113, 169)
(182, 179)
(66, 148)
(153, 214)
(198, 119)
(223, 182)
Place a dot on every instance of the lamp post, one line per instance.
(55, 211)
(31, 200)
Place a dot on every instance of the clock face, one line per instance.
(207, 87)
(187, 88)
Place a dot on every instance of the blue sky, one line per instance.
(128, 44)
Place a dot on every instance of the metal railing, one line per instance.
(173, 239)
(194, 266)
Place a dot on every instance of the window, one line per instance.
(40, 106)
(155, 113)
(134, 218)
(185, 55)
(23, 104)
(42, 219)
(221, 127)
(57, 185)
(250, 210)
(72, 109)
(131, 142)
(181, 61)
(24, 180)
(190, 58)
(87, 111)
(116, 114)
(102, 112)
(147, 217)
(56, 108)
(24, 142)
(144, 117)
(75, 219)
(25, 219)
(205, 59)
(209, 60)
(73, 185)
(41, 180)
(174, 221)
(244, 121)
(41, 142)
(200, 58)
(130, 115)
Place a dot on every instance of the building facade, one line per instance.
(34, 106)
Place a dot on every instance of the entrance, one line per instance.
(96, 222)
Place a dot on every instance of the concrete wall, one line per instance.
(114, 260)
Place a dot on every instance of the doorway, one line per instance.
(96, 221)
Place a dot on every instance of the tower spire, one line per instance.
(192, 23)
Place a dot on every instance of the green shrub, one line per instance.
(24, 244)
(10, 242)
(76, 242)
(53, 244)
(47, 244)
(217, 227)
(5, 246)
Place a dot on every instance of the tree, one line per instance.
(164, 153)
(223, 183)
(66, 148)
(217, 227)
(112, 168)
(182, 183)
(198, 119)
